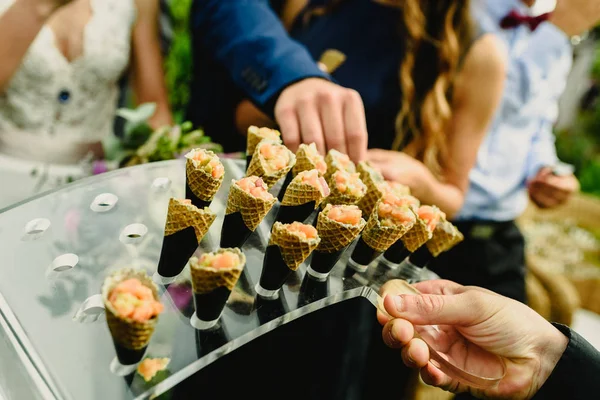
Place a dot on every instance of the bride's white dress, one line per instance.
(53, 109)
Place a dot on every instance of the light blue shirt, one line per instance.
(520, 140)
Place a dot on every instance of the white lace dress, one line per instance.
(53, 110)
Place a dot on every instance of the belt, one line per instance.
(483, 229)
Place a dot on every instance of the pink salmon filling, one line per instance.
(256, 187)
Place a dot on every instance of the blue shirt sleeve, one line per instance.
(248, 39)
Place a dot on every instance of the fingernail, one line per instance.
(398, 303)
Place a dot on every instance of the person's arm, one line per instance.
(575, 376)
(19, 26)
(146, 63)
(247, 37)
(545, 189)
(541, 361)
(477, 93)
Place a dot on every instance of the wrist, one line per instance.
(549, 352)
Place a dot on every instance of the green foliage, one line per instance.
(141, 144)
(590, 177)
(178, 63)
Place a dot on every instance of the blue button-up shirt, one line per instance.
(520, 140)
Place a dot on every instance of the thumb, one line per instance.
(430, 309)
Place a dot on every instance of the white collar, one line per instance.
(542, 7)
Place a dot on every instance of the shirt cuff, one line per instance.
(293, 70)
(576, 373)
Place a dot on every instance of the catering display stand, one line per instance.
(57, 249)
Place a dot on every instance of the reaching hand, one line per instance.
(331, 116)
(528, 344)
(400, 167)
(547, 190)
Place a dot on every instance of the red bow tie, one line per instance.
(514, 19)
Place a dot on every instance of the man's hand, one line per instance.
(529, 345)
(547, 190)
(319, 111)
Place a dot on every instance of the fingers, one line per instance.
(432, 376)
(310, 124)
(415, 354)
(333, 122)
(355, 126)
(431, 309)
(439, 286)
(289, 126)
(397, 333)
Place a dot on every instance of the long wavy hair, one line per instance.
(435, 35)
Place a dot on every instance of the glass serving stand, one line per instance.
(57, 249)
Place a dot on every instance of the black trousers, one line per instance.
(492, 256)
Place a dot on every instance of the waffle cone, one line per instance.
(128, 333)
(372, 179)
(332, 166)
(205, 280)
(299, 192)
(380, 237)
(303, 161)
(294, 249)
(202, 183)
(445, 236)
(254, 136)
(181, 216)
(337, 198)
(253, 210)
(258, 168)
(417, 236)
(336, 235)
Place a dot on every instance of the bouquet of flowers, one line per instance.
(141, 144)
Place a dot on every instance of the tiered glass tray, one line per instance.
(57, 249)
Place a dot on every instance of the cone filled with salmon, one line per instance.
(271, 161)
(204, 174)
(303, 195)
(346, 188)
(390, 220)
(307, 158)
(376, 187)
(132, 308)
(214, 276)
(337, 161)
(445, 236)
(289, 246)
(338, 227)
(185, 227)
(427, 220)
(254, 137)
(247, 204)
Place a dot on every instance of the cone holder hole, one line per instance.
(91, 310)
(36, 228)
(161, 184)
(64, 262)
(133, 233)
(104, 202)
